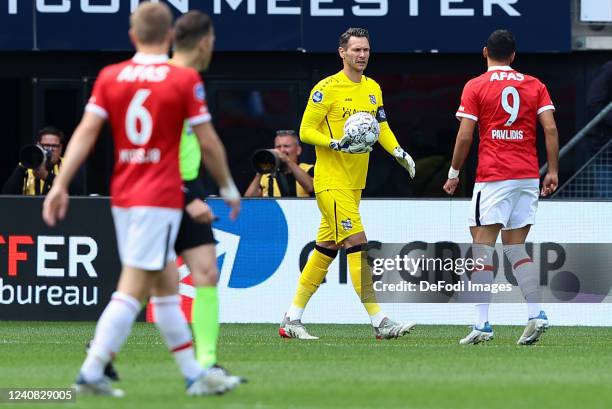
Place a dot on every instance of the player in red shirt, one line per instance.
(506, 105)
(146, 101)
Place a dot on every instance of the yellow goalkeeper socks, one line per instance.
(362, 281)
(312, 276)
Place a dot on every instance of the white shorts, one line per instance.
(146, 235)
(511, 203)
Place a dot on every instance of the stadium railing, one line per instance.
(594, 178)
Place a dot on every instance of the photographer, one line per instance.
(35, 173)
(290, 179)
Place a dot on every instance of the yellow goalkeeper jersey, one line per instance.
(331, 102)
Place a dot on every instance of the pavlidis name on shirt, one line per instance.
(507, 134)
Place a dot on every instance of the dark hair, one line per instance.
(190, 28)
(50, 130)
(352, 32)
(501, 45)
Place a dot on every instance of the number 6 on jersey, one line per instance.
(136, 112)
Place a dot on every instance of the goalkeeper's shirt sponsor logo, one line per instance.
(346, 112)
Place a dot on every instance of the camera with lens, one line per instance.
(34, 156)
(266, 161)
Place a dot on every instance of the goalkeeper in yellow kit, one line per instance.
(340, 175)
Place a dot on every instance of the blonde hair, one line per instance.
(151, 22)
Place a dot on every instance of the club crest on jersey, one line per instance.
(347, 224)
(199, 92)
(373, 99)
(317, 96)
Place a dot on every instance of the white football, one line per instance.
(361, 128)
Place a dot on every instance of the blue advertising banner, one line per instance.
(446, 26)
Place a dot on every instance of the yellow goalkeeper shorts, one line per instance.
(340, 214)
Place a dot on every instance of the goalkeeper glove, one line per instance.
(340, 145)
(344, 145)
(405, 160)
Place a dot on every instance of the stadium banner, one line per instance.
(64, 273)
(261, 254)
(298, 25)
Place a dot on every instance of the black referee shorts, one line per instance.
(192, 234)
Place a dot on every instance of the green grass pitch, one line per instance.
(346, 368)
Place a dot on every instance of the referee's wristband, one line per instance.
(453, 173)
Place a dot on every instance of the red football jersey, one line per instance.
(506, 105)
(146, 101)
